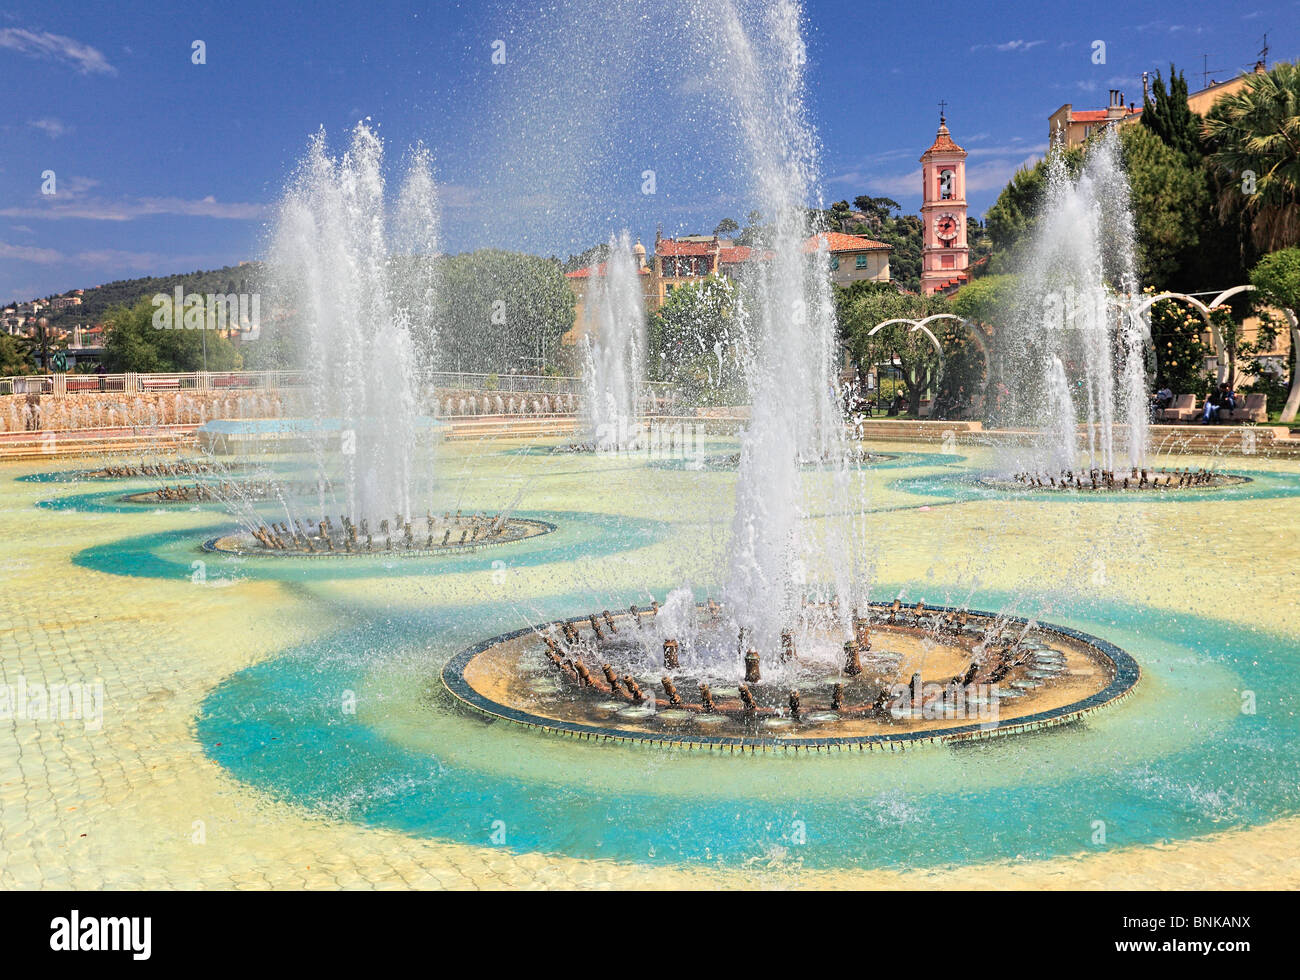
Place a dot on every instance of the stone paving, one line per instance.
(135, 803)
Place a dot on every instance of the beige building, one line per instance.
(679, 261)
(580, 283)
(1077, 125)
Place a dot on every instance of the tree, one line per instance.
(498, 311)
(726, 226)
(1010, 222)
(878, 210)
(1170, 201)
(1277, 277)
(839, 217)
(1012, 215)
(863, 306)
(1254, 135)
(134, 344)
(15, 356)
(986, 301)
(585, 259)
(1167, 115)
(1176, 330)
(754, 231)
(698, 341)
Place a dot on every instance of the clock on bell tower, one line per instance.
(945, 254)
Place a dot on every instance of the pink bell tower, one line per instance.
(945, 254)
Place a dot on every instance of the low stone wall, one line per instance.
(101, 410)
(460, 402)
(109, 410)
(452, 403)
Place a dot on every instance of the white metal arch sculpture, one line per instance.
(1205, 309)
(975, 333)
(915, 326)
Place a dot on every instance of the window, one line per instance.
(835, 262)
(946, 186)
(861, 262)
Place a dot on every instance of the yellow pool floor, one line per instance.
(136, 803)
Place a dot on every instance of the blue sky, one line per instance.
(163, 166)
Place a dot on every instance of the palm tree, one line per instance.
(1254, 135)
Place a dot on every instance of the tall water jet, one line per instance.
(615, 355)
(795, 415)
(332, 263)
(1074, 350)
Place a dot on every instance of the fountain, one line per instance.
(330, 262)
(357, 283)
(778, 655)
(1074, 347)
(925, 676)
(790, 369)
(615, 358)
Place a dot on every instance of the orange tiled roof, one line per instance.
(1088, 115)
(839, 242)
(727, 254)
(666, 246)
(943, 143)
(733, 254)
(1099, 115)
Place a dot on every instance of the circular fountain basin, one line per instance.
(1156, 481)
(201, 492)
(511, 530)
(877, 709)
(730, 462)
(177, 469)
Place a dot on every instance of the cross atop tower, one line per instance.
(945, 254)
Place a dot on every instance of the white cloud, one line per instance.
(1017, 45)
(56, 47)
(28, 253)
(119, 259)
(984, 175)
(51, 127)
(992, 175)
(73, 201)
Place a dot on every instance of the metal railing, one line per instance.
(72, 384)
(539, 384)
(69, 384)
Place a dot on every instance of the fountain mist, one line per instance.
(1073, 348)
(330, 259)
(615, 358)
(795, 416)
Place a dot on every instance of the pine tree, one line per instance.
(1167, 114)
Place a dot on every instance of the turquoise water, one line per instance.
(1178, 759)
(172, 554)
(965, 485)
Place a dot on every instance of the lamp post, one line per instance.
(43, 338)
